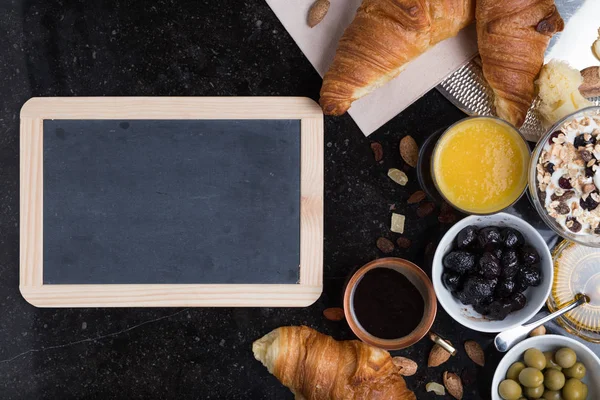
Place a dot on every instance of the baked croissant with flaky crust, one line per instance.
(315, 366)
(512, 36)
(383, 37)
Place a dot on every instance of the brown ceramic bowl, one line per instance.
(418, 278)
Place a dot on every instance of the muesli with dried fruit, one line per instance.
(568, 175)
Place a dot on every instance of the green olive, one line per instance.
(576, 371)
(531, 377)
(585, 391)
(550, 361)
(534, 393)
(565, 357)
(573, 390)
(535, 359)
(552, 395)
(514, 370)
(509, 389)
(553, 379)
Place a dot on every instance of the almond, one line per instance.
(385, 245)
(406, 366)
(540, 330)
(403, 243)
(453, 385)
(317, 12)
(425, 209)
(437, 356)
(416, 197)
(475, 352)
(334, 314)
(409, 151)
(377, 151)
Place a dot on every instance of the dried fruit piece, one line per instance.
(398, 176)
(437, 356)
(539, 331)
(409, 151)
(435, 388)
(448, 218)
(398, 221)
(377, 151)
(425, 209)
(403, 243)
(406, 366)
(416, 197)
(317, 12)
(453, 384)
(475, 352)
(334, 314)
(385, 245)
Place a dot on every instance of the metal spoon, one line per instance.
(507, 339)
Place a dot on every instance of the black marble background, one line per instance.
(194, 48)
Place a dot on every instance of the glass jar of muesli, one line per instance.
(564, 177)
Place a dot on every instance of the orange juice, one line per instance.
(480, 165)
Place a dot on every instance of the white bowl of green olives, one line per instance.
(497, 250)
(548, 367)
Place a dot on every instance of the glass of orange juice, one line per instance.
(480, 165)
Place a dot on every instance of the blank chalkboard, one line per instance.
(173, 201)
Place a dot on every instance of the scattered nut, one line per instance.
(453, 385)
(539, 331)
(437, 356)
(409, 151)
(334, 314)
(385, 245)
(416, 197)
(425, 209)
(317, 12)
(406, 366)
(377, 151)
(403, 242)
(475, 352)
(398, 176)
(447, 218)
(398, 221)
(435, 388)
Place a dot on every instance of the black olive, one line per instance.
(504, 288)
(500, 309)
(483, 309)
(510, 263)
(451, 280)
(529, 255)
(497, 252)
(489, 235)
(529, 276)
(466, 237)
(581, 142)
(564, 183)
(518, 301)
(512, 237)
(489, 266)
(476, 289)
(459, 261)
(589, 203)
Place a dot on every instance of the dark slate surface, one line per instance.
(210, 201)
(68, 48)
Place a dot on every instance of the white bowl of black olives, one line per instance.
(549, 367)
(492, 272)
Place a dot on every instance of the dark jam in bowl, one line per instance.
(387, 304)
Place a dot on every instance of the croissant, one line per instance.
(315, 366)
(512, 36)
(383, 37)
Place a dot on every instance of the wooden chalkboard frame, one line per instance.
(304, 293)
